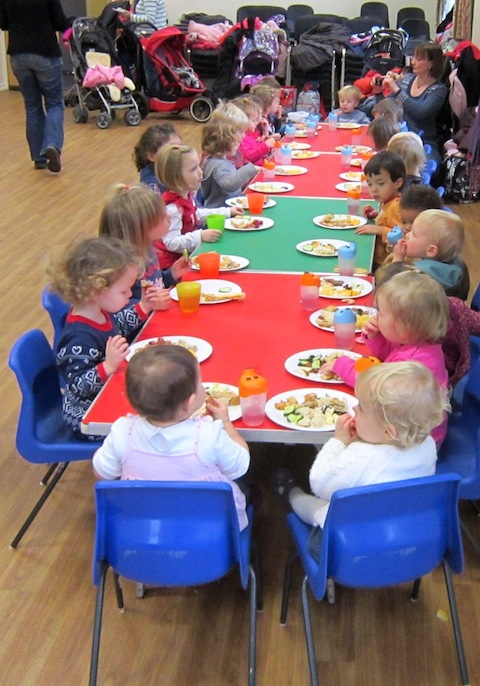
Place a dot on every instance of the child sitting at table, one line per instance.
(434, 245)
(269, 98)
(138, 216)
(412, 320)
(385, 174)
(95, 277)
(381, 131)
(390, 108)
(147, 147)
(253, 147)
(165, 442)
(348, 113)
(387, 439)
(221, 179)
(409, 146)
(178, 167)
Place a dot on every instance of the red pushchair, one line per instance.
(168, 81)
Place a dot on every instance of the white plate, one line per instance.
(356, 221)
(356, 162)
(348, 186)
(278, 417)
(358, 149)
(348, 125)
(370, 311)
(299, 146)
(234, 411)
(267, 223)
(317, 244)
(271, 187)
(212, 287)
(346, 282)
(304, 154)
(302, 134)
(354, 176)
(290, 170)
(239, 262)
(291, 363)
(203, 348)
(242, 201)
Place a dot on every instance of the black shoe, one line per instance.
(53, 159)
(41, 163)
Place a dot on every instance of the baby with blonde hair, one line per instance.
(348, 99)
(434, 245)
(409, 146)
(387, 438)
(253, 146)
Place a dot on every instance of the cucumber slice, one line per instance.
(308, 247)
(225, 289)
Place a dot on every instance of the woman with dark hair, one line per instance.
(422, 93)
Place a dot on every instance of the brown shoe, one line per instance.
(53, 159)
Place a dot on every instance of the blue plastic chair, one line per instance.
(382, 535)
(58, 310)
(170, 534)
(42, 435)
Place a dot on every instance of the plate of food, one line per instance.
(306, 364)
(224, 392)
(243, 202)
(356, 162)
(303, 133)
(299, 146)
(197, 346)
(339, 287)
(346, 186)
(323, 319)
(352, 176)
(309, 409)
(214, 291)
(246, 223)
(339, 221)
(228, 263)
(357, 149)
(290, 170)
(348, 125)
(304, 154)
(321, 247)
(271, 187)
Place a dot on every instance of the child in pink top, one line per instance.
(412, 320)
(253, 147)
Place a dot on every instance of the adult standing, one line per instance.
(422, 94)
(37, 64)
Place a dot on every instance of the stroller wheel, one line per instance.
(72, 99)
(132, 118)
(103, 120)
(201, 109)
(142, 103)
(80, 115)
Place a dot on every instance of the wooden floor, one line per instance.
(186, 638)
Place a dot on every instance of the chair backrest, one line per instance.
(169, 533)
(390, 533)
(409, 13)
(362, 24)
(263, 12)
(295, 11)
(307, 22)
(378, 10)
(58, 310)
(417, 29)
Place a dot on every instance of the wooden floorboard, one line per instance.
(194, 637)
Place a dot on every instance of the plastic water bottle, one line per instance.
(344, 322)
(277, 152)
(346, 157)
(346, 259)
(393, 236)
(332, 121)
(252, 389)
(309, 290)
(289, 132)
(286, 154)
(311, 128)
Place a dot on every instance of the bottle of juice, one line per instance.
(252, 389)
(309, 287)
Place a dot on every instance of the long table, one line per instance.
(261, 331)
(274, 249)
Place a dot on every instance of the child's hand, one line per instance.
(263, 125)
(217, 409)
(180, 267)
(327, 367)
(370, 330)
(276, 136)
(270, 142)
(371, 229)
(115, 353)
(345, 429)
(156, 298)
(236, 210)
(399, 251)
(369, 212)
(211, 235)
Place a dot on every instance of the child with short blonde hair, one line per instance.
(435, 244)
(409, 146)
(349, 98)
(387, 439)
(178, 167)
(95, 277)
(253, 147)
(147, 147)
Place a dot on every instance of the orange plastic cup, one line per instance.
(255, 202)
(209, 263)
(189, 296)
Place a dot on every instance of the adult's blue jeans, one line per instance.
(41, 84)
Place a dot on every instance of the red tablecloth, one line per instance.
(260, 331)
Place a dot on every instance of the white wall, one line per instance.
(348, 8)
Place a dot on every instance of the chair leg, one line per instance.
(312, 663)
(118, 592)
(49, 473)
(97, 626)
(415, 590)
(462, 661)
(287, 584)
(255, 557)
(50, 486)
(471, 539)
(252, 641)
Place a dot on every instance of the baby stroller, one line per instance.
(99, 80)
(385, 51)
(166, 78)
